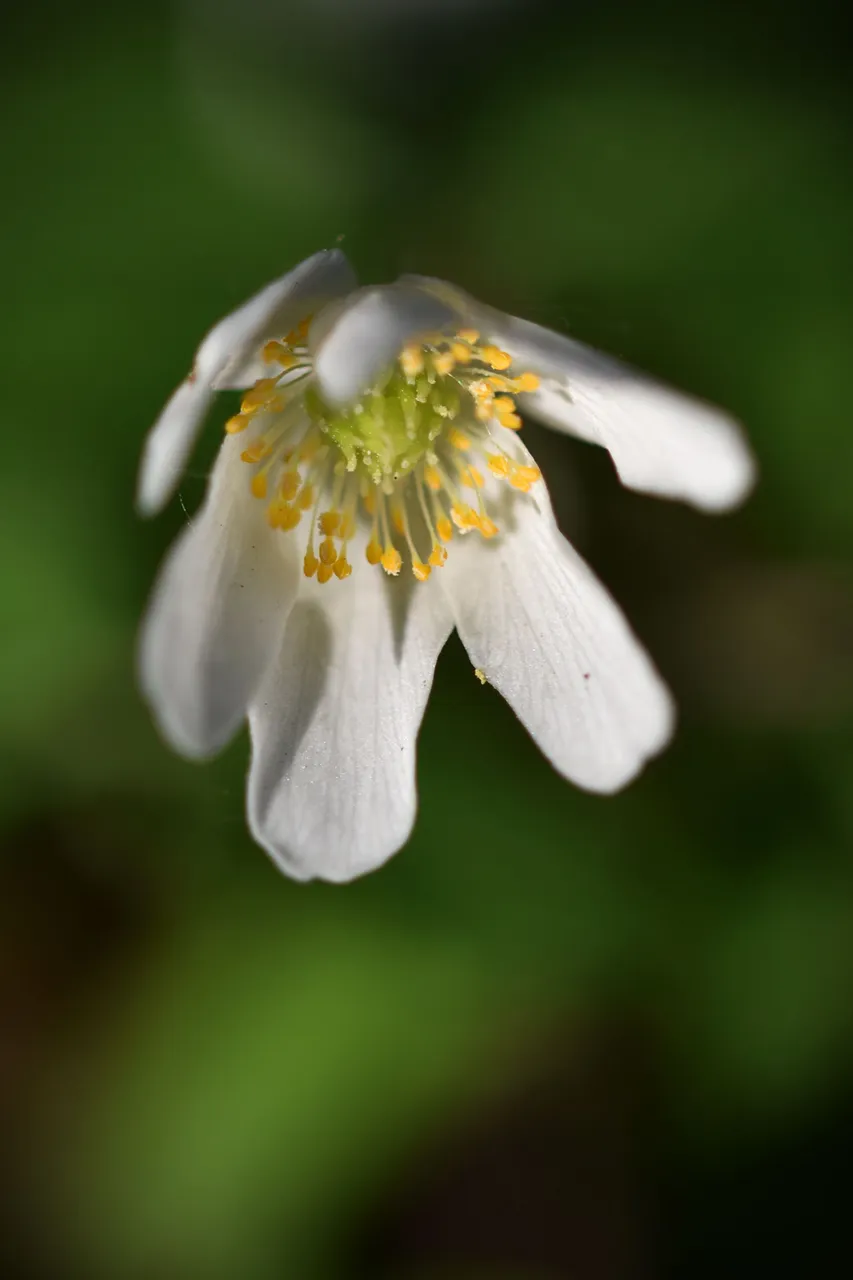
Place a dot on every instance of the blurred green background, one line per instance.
(557, 1036)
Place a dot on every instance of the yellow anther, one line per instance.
(391, 560)
(343, 568)
(433, 478)
(458, 438)
(444, 528)
(329, 522)
(498, 464)
(239, 422)
(275, 513)
(289, 485)
(412, 360)
(261, 393)
(325, 572)
(298, 334)
(328, 551)
(369, 502)
(398, 520)
(495, 358)
(256, 451)
(468, 335)
(461, 352)
(310, 564)
(306, 498)
(443, 363)
(259, 484)
(476, 477)
(530, 474)
(278, 352)
(289, 518)
(505, 413)
(373, 552)
(483, 410)
(487, 527)
(464, 517)
(420, 570)
(497, 383)
(437, 556)
(526, 382)
(481, 675)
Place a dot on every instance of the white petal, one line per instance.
(661, 442)
(217, 613)
(271, 314)
(228, 357)
(168, 444)
(368, 334)
(332, 785)
(547, 635)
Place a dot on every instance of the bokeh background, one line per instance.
(557, 1036)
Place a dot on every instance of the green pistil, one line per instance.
(393, 426)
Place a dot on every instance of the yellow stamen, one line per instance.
(325, 572)
(443, 362)
(289, 485)
(458, 438)
(373, 551)
(498, 464)
(259, 484)
(433, 478)
(261, 393)
(444, 529)
(438, 556)
(329, 522)
(343, 568)
(468, 335)
(495, 358)
(461, 352)
(526, 382)
(256, 451)
(310, 564)
(420, 570)
(278, 352)
(328, 551)
(289, 518)
(412, 360)
(239, 422)
(306, 497)
(391, 560)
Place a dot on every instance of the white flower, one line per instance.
(372, 494)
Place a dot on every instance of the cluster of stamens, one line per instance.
(402, 459)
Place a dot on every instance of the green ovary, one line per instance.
(393, 427)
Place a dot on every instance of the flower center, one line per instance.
(402, 459)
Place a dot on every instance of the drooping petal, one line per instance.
(228, 357)
(168, 444)
(660, 441)
(332, 784)
(217, 613)
(547, 635)
(368, 333)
